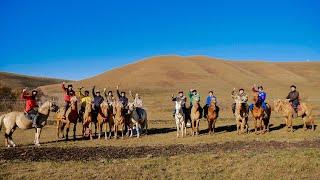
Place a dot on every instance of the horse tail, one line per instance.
(1, 120)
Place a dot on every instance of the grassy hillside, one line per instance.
(158, 77)
(17, 81)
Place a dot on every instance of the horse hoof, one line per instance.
(37, 145)
(13, 145)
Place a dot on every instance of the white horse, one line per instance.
(179, 117)
(15, 119)
(139, 119)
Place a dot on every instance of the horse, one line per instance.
(241, 116)
(258, 113)
(180, 121)
(119, 119)
(105, 115)
(138, 117)
(87, 121)
(285, 108)
(16, 119)
(195, 119)
(71, 117)
(212, 116)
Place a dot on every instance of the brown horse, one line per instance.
(212, 116)
(195, 119)
(257, 114)
(285, 108)
(241, 116)
(119, 119)
(87, 121)
(72, 117)
(105, 116)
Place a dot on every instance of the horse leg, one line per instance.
(198, 121)
(58, 130)
(67, 130)
(99, 127)
(10, 137)
(37, 136)
(238, 124)
(192, 128)
(105, 133)
(122, 129)
(255, 125)
(178, 126)
(138, 129)
(90, 131)
(304, 118)
(209, 127)
(213, 125)
(115, 131)
(74, 130)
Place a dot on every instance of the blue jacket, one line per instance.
(209, 99)
(262, 96)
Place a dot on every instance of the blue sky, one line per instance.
(75, 39)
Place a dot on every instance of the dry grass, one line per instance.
(273, 164)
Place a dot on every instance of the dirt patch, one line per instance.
(111, 152)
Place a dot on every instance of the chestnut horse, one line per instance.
(285, 108)
(258, 114)
(212, 116)
(71, 117)
(119, 119)
(105, 116)
(195, 119)
(87, 121)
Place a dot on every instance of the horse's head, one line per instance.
(54, 107)
(117, 108)
(255, 97)
(104, 106)
(131, 106)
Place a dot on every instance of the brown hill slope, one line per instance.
(17, 81)
(158, 77)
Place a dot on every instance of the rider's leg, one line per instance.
(66, 107)
(233, 108)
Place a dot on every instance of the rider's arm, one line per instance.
(93, 91)
(118, 93)
(63, 87)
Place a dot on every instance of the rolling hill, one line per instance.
(17, 81)
(157, 78)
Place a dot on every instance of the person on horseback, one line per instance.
(85, 98)
(109, 97)
(194, 97)
(210, 98)
(261, 97)
(243, 97)
(69, 92)
(294, 99)
(31, 108)
(183, 101)
(122, 98)
(97, 100)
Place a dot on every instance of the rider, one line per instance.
(69, 92)
(109, 97)
(122, 98)
(261, 97)
(183, 101)
(210, 98)
(97, 100)
(31, 105)
(195, 98)
(294, 98)
(243, 97)
(85, 98)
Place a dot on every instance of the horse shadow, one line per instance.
(153, 131)
(221, 129)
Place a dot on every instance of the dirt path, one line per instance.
(110, 152)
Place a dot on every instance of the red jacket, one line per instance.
(30, 101)
(67, 95)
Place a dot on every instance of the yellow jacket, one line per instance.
(84, 99)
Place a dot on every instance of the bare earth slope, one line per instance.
(158, 77)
